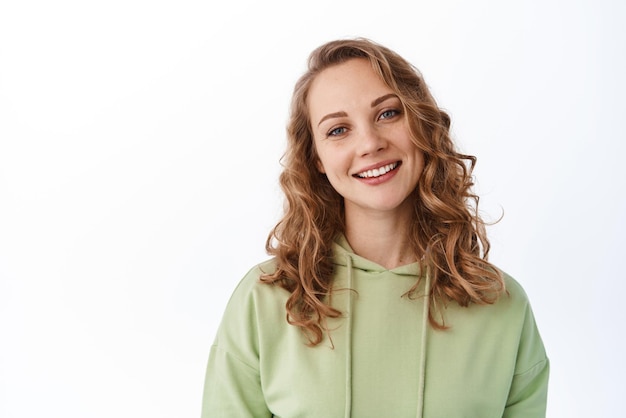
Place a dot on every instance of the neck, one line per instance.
(382, 239)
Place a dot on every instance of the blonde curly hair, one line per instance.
(447, 233)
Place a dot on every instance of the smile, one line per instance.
(377, 172)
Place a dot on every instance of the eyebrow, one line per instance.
(332, 115)
(341, 114)
(383, 98)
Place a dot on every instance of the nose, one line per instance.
(371, 141)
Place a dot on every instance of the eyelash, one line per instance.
(333, 132)
(395, 112)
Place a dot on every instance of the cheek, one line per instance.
(420, 160)
(318, 161)
(326, 156)
(320, 166)
(332, 159)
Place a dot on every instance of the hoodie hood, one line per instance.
(343, 255)
(343, 251)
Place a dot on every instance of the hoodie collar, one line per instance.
(342, 251)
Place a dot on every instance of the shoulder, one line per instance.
(514, 305)
(251, 281)
(510, 310)
(252, 299)
(251, 292)
(514, 292)
(531, 355)
(252, 306)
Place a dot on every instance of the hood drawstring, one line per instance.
(423, 343)
(348, 408)
(422, 358)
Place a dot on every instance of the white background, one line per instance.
(139, 155)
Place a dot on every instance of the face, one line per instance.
(362, 139)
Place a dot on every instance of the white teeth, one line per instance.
(377, 172)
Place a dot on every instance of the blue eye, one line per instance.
(387, 114)
(337, 131)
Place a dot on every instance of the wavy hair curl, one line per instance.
(447, 233)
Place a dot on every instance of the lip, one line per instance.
(373, 181)
(374, 166)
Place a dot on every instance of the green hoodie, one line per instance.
(381, 359)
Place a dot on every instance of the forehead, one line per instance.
(345, 84)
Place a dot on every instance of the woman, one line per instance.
(379, 300)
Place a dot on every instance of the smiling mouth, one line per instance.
(377, 172)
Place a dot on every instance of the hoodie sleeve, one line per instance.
(232, 387)
(529, 388)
